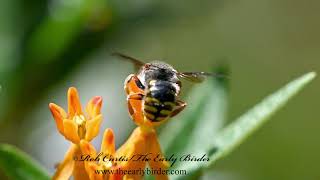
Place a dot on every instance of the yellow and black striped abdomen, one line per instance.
(159, 101)
(157, 111)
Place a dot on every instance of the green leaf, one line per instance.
(18, 165)
(235, 133)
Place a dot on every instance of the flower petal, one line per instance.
(92, 127)
(87, 148)
(91, 170)
(71, 131)
(74, 106)
(108, 145)
(135, 145)
(58, 114)
(94, 106)
(90, 166)
(65, 168)
(116, 176)
(155, 149)
(79, 171)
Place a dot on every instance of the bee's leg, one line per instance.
(132, 85)
(135, 96)
(180, 105)
(126, 83)
(134, 102)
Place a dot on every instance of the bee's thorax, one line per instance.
(157, 71)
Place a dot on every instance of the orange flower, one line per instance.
(142, 142)
(139, 143)
(107, 151)
(81, 129)
(75, 126)
(70, 167)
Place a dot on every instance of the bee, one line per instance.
(153, 93)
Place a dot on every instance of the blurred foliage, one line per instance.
(18, 165)
(43, 42)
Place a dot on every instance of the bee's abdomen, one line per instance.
(163, 91)
(155, 110)
(160, 100)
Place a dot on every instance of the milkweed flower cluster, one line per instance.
(80, 128)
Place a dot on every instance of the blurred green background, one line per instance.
(48, 46)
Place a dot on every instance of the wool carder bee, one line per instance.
(153, 93)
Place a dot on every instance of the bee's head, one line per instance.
(157, 71)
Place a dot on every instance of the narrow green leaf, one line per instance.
(18, 165)
(235, 133)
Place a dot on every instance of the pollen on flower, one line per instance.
(107, 165)
(79, 119)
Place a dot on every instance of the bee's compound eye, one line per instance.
(139, 84)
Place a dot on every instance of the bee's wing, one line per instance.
(197, 77)
(137, 63)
